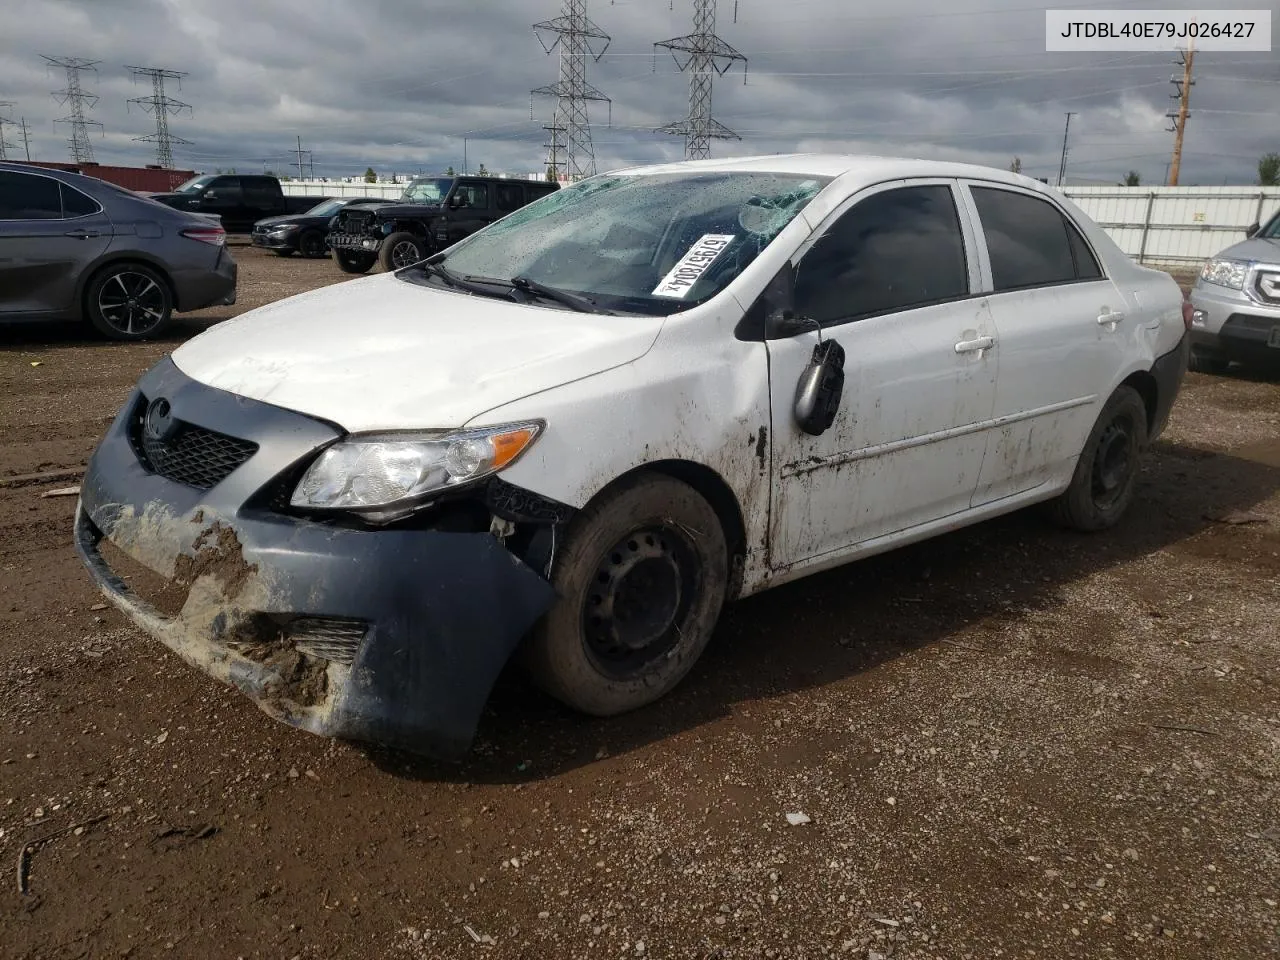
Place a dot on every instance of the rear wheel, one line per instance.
(311, 244)
(354, 262)
(128, 301)
(1107, 471)
(402, 249)
(641, 579)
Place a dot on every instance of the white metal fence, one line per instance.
(1162, 226)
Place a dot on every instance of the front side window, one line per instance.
(474, 195)
(27, 197)
(1029, 241)
(640, 243)
(432, 190)
(893, 251)
(1272, 230)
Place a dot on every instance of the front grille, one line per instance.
(1268, 286)
(327, 639)
(192, 456)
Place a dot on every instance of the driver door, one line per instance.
(888, 275)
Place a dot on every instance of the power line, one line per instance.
(570, 141)
(706, 57)
(162, 107)
(76, 99)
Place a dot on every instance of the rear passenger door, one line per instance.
(1058, 319)
(50, 233)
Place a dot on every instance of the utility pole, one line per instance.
(706, 56)
(570, 128)
(301, 162)
(76, 99)
(4, 144)
(26, 138)
(1183, 96)
(1062, 165)
(162, 107)
(555, 137)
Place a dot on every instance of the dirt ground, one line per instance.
(1009, 742)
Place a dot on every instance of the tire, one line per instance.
(311, 244)
(354, 262)
(1199, 363)
(129, 301)
(651, 549)
(402, 249)
(1107, 472)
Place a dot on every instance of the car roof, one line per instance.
(866, 167)
(66, 176)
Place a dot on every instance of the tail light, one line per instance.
(214, 236)
(1188, 312)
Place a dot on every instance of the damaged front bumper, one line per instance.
(392, 636)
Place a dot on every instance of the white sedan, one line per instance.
(578, 433)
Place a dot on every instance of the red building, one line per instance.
(148, 179)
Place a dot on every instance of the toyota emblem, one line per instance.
(159, 423)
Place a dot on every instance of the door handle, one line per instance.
(83, 234)
(1109, 318)
(973, 346)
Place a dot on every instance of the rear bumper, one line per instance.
(1169, 371)
(440, 612)
(197, 289)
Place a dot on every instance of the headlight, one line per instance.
(385, 477)
(1225, 273)
(284, 228)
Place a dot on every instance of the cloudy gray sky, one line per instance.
(398, 84)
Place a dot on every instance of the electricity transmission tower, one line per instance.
(4, 144)
(1179, 118)
(706, 56)
(162, 107)
(570, 142)
(76, 99)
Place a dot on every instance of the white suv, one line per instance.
(1237, 304)
(584, 429)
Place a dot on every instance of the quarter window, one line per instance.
(1030, 243)
(27, 197)
(77, 204)
(893, 251)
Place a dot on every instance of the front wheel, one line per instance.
(1107, 472)
(354, 262)
(311, 244)
(402, 249)
(641, 580)
(128, 301)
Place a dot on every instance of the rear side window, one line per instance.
(27, 197)
(77, 204)
(509, 196)
(892, 251)
(259, 191)
(1030, 243)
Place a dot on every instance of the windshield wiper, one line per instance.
(435, 268)
(570, 300)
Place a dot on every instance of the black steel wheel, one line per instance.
(129, 301)
(641, 579)
(311, 244)
(1106, 474)
(402, 249)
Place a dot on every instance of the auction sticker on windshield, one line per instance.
(693, 265)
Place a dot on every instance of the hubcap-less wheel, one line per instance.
(132, 303)
(311, 245)
(639, 595)
(405, 254)
(1113, 463)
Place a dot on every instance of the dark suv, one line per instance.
(431, 214)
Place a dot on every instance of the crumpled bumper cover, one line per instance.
(444, 611)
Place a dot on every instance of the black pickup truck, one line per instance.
(431, 214)
(238, 200)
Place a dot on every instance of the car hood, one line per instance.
(1267, 251)
(380, 353)
(286, 220)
